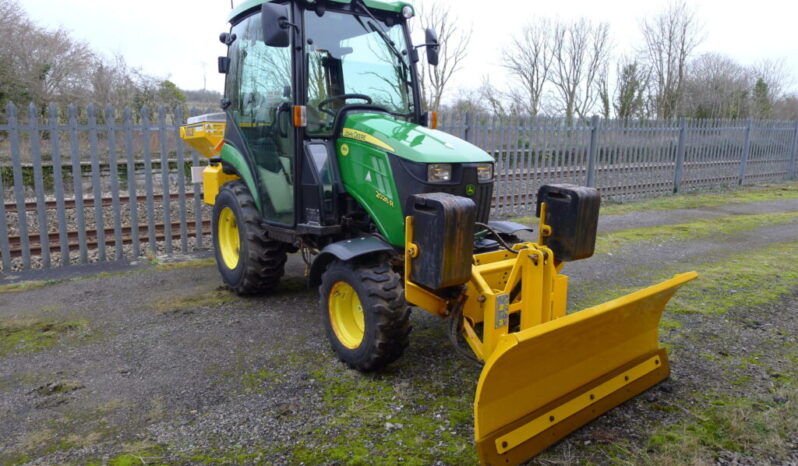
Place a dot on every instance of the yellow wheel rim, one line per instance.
(229, 241)
(346, 315)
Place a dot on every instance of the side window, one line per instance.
(259, 89)
(262, 75)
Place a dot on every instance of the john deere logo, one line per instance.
(471, 190)
(344, 149)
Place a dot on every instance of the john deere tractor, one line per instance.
(324, 149)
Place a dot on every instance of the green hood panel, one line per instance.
(414, 142)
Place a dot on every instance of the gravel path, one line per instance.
(167, 365)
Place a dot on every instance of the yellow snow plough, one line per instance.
(545, 373)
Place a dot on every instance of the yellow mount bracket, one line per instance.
(547, 373)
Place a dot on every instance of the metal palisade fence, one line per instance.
(87, 184)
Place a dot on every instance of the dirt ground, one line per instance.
(158, 363)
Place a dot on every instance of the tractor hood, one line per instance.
(411, 141)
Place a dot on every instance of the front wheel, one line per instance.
(365, 314)
(248, 261)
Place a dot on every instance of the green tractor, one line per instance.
(324, 148)
(325, 141)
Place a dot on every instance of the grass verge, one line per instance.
(762, 193)
(26, 286)
(35, 284)
(201, 298)
(693, 230)
(759, 429)
(696, 200)
(34, 335)
(752, 278)
(389, 421)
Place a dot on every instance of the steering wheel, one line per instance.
(344, 97)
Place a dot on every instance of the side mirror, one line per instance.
(227, 38)
(433, 47)
(224, 65)
(275, 24)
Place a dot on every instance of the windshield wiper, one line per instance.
(380, 31)
(388, 41)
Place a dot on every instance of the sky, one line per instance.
(178, 39)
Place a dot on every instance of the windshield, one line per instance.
(348, 54)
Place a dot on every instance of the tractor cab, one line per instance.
(325, 124)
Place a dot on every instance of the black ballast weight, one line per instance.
(572, 213)
(443, 230)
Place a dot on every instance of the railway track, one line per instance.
(522, 173)
(504, 201)
(15, 242)
(507, 197)
(70, 203)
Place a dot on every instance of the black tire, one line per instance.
(385, 313)
(261, 262)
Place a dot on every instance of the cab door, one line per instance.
(259, 95)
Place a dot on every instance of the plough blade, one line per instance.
(544, 382)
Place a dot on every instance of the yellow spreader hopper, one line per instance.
(204, 133)
(545, 373)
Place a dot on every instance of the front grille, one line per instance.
(483, 200)
(408, 183)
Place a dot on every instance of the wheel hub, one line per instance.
(346, 315)
(229, 240)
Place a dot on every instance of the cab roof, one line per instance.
(394, 6)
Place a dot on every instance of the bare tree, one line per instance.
(454, 42)
(786, 108)
(112, 82)
(670, 38)
(581, 51)
(776, 74)
(467, 101)
(14, 26)
(493, 98)
(57, 68)
(40, 65)
(50, 66)
(771, 78)
(716, 86)
(529, 59)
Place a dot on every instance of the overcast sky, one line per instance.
(178, 39)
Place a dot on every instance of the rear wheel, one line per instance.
(247, 260)
(365, 314)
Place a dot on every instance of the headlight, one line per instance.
(485, 171)
(407, 11)
(439, 172)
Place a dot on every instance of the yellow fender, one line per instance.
(542, 383)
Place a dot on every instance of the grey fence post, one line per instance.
(63, 236)
(38, 182)
(591, 157)
(791, 170)
(77, 184)
(19, 185)
(467, 129)
(746, 151)
(97, 192)
(5, 247)
(678, 172)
